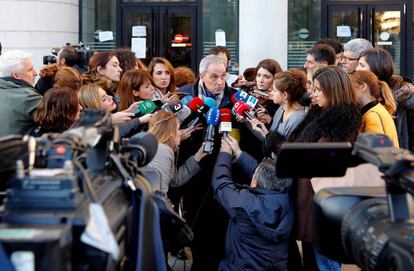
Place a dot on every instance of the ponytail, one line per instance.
(386, 98)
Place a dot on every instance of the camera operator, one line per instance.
(336, 119)
(67, 57)
(261, 215)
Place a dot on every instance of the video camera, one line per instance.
(83, 55)
(369, 226)
(79, 201)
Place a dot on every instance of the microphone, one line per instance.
(183, 114)
(225, 123)
(181, 111)
(143, 147)
(243, 109)
(210, 102)
(144, 108)
(213, 118)
(186, 100)
(197, 105)
(243, 96)
(262, 93)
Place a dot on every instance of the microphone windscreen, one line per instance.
(183, 114)
(210, 102)
(146, 107)
(233, 98)
(213, 116)
(240, 107)
(225, 115)
(186, 100)
(148, 144)
(195, 103)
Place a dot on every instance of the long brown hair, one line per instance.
(378, 89)
(160, 60)
(270, 65)
(380, 62)
(335, 85)
(163, 125)
(131, 80)
(58, 110)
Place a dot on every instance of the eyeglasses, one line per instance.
(348, 59)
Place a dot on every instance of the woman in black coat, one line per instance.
(336, 118)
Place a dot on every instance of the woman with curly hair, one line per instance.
(57, 111)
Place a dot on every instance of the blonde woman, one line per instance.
(165, 127)
(92, 96)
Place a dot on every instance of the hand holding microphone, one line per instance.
(144, 108)
(213, 118)
(242, 109)
(225, 123)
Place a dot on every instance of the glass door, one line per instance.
(383, 24)
(160, 30)
(179, 37)
(345, 22)
(387, 31)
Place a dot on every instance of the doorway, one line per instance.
(384, 23)
(161, 29)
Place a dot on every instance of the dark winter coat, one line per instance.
(201, 209)
(336, 124)
(260, 222)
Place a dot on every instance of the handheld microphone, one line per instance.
(213, 118)
(243, 109)
(181, 111)
(197, 105)
(225, 123)
(198, 109)
(210, 102)
(186, 100)
(144, 108)
(243, 96)
(262, 93)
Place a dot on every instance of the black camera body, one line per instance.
(47, 205)
(79, 201)
(84, 54)
(369, 226)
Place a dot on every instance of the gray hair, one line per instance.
(208, 60)
(357, 46)
(12, 61)
(265, 175)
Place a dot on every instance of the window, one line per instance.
(304, 20)
(98, 15)
(222, 15)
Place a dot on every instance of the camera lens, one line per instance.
(364, 232)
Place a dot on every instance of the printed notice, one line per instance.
(343, 31)
(138, 46)
(220, 38)
(106, 36)
(139, 31)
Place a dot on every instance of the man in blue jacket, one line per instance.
(261, 215)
